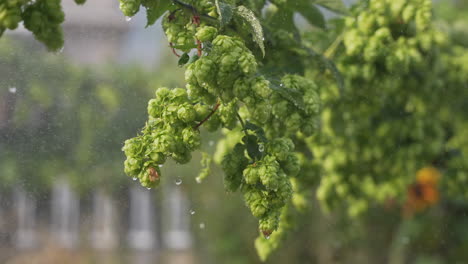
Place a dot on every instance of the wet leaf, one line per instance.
(225, 12)
(254, 24)
(312, 14)
(334, 5)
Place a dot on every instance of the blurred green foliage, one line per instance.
(67, 121)
(60, 120)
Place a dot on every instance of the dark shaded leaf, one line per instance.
(325, 64)
(312, 14)
(193, 59)
(155, 9)
(183, 59)
(250, 142)
(225, 12)
(334, 5)
(292, 95)
(258, 131)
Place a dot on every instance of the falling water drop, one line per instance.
(12, 89)
(134, 178)
(267, 237)
(211, 143)
(405, 240)
(198, 180)
(160, 165)
(127, 18)
(261, 147)
(281, 84)
(148, 188)
(192, 212)
(178, 181)
(202, 225)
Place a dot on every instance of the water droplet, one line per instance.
(202, 225)
(12, 89)
(261, 147)
(134, 178)
(263, 39)
(61, 49)
(192, 212)
(203, 84)
(148, 188)
(127, 18)
(267, 237)
(281, 84)
(160, 165)
(211, 143)
(198, 180)
(178, 181)
(405, 240)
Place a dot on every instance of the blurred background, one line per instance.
(65, 199)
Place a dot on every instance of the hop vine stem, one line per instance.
(195, 11)
(332, 48)
(208, 116)
(184, 5)
(240, 120)
(173, 49)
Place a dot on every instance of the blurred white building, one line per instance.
(97, 32)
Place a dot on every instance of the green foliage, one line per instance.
(292, 120)
(41, 17)
(61, 120)
(254, 25)
(226, 88)
(391, 119)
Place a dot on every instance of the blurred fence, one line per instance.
(122, 226)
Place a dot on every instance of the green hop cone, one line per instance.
(11, 18)
(130, 7)
(132, 166)
(213, 123)
(280, 148)
(261, 87)
(150, 177)
(182, 157)
(228, 114)
(179, 95)
(164, 142)
(187, 114)
(256, 201)
(202, 111)
(157, 157)
(291, 165)
(206, 33)
(191, 138)
(268, 172)
(133, 147)
(155, 108)
(43, 19)
(251, 174)
(233, 163)
(163, 93)
(269, 223)
(242, 88)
